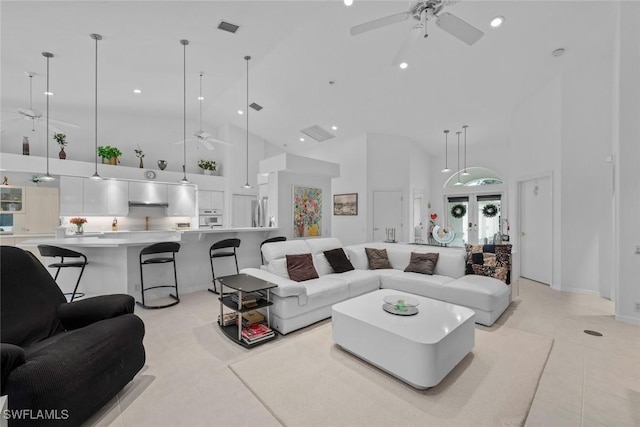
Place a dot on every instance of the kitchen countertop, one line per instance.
(133, 237)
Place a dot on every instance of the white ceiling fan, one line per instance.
(201, 136)
(35, 115)
(423, 12)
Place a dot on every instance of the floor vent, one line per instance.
(255, 106)
(226, 26)
(594, 333)
(317, 133)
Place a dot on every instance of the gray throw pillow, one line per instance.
(377, 258)
(422, 263)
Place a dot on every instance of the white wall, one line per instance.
(350, 155)
(628, 163)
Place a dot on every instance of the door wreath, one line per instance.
(490, 210)
(458, 211)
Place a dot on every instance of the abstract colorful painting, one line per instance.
(307, 212)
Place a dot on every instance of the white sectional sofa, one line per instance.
(298, 304)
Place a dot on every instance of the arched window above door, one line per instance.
(477, 176)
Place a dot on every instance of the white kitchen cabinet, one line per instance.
(117, 197)
(182, 200)
(12, 199)
(71, 196)
(208, 199)
(106, 197)
(41, 211)
(147, 192)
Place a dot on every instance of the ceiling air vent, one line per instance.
(255, 106)
(317, 133)
(226, 26)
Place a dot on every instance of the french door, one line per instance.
(475, 218)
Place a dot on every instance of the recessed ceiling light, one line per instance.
(558, 52)
(334, 127)
(137, 91)
(49, 93)
(201, 98)
(240, 112)
(497, 21)
(348, 2)
(301, 139)
(403, 65)
(285, 145)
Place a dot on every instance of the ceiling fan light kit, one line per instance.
(424, 11)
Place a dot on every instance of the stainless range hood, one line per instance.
(149, 204)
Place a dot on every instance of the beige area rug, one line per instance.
(310, 381)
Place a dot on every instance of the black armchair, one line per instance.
(61, 360)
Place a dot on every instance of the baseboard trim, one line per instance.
(628, 319)
(580, 291)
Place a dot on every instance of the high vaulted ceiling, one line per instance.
(298, 47)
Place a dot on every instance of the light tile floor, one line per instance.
(588, 381)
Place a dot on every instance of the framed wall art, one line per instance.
(345, 204)
(307, 212)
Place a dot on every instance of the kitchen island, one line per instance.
(114, 258)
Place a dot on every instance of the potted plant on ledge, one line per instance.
(61, 139)
(207, 166)
(109, 154)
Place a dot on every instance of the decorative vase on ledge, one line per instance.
(79, 229)
(62, 155)
(162, 164)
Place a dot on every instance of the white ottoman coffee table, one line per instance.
(420, 349)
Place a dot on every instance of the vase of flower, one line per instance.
(140, 155)
(62, 155)
(79, 223)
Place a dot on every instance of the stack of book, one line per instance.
(255, 333)
(228, 319)
(251, 318)
(248, 300)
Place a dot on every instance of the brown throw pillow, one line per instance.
(338, 260)
(377, 258)
(300, 267)
(422, 263)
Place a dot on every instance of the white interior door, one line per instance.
(536, 230)
(387, 214)
(241, 210)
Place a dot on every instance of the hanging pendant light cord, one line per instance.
(184, 111)
(465, 149)
(33, 119)
(47, 55)
(458, 133)
(247, 58)
(96, 176)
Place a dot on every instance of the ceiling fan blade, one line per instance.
(409, 42)
(63, 123)
(380, 22)
(459, 28)
(219, 141)
(208, 145)
(188, 140)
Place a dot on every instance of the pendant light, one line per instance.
(247, 186)
(95, 175)
(184, 179)
(47, 177)
(465, 173)
(200, 99)
(458, 183)
(446, 152)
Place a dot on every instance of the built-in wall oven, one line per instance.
(210, 218)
